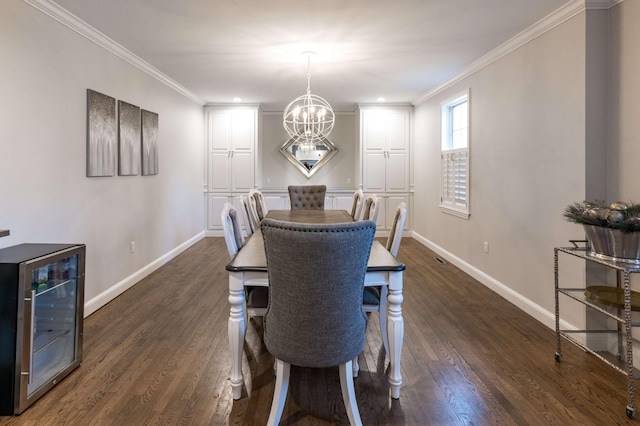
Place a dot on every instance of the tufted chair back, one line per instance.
(249, 224)
(232, 232)
(356, 205)
(370, 207)
(397, 227)
(307, 197)
(314, 317)
(256, 203)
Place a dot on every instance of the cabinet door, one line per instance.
(231, 139)
(215, 206)
(392, 202)
(241, 171)
(219, 144)
(374, 130)
(374, 171)
(277, 201)
(52, 348)
(397, 131)
(50, 330)
(243, 130)
(397, 171)
(219, 171)
(385, 142)
(342, 202)
(219, 130)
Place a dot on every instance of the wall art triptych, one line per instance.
(149, 143)
(128, 134)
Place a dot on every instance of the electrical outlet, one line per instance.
(486, 246)
(348, 180)
(132, 247)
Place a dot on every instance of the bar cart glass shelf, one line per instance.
(616, 303)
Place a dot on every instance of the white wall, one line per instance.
(528, 155)
(623, 147)
(624, 137)
(278, 172)
(45, 195)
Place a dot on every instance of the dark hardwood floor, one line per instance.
(159, 354)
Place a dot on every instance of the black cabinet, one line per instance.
(41, 317)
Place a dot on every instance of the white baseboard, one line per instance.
(533, 309)
(214, 233)
(604, 342)
(117, 289)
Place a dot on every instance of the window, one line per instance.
(454, 190)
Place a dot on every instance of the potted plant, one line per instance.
(612, 229)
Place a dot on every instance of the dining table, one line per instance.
(249, 268)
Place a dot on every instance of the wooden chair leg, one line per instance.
(280, 393)
(349, 394)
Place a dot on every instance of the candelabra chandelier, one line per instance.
(308, 118)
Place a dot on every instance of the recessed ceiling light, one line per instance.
(381, 99)
(236, 99)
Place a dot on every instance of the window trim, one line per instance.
(448, 206)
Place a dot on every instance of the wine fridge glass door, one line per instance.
(52, 325)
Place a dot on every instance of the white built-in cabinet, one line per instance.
(382, 161)
(232, 150)
(384, 148)
(339, 201)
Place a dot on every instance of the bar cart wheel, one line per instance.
(558, 356)
(631, 412)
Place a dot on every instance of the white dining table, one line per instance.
(249, 268)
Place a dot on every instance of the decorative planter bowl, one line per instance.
(613, 244)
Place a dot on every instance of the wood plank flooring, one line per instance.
(159, 354)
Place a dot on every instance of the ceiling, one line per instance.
(366, 49)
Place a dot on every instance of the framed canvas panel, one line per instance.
(129, 131)
(149, 143)
(101, 134)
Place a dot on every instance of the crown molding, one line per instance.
(601, 4)
(230, 105)
(546, 24)
(71, 21)
(384, 105)
(271, 112)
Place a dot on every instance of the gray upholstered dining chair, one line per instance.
(307, 197)
(356, 203)
(374, 299)
(370, 207)
(315, 317)
(256, 202)
(256, 296)
(397, 227)
(232, 231)
(250, 221)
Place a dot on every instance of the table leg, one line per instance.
(395, 331)
(237, 328)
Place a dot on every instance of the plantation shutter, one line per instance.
(455, 178)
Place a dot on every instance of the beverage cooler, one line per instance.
(41, 314)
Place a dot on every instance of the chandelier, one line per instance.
(308, 119)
